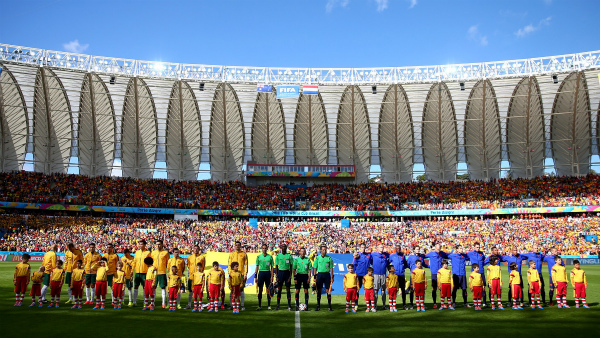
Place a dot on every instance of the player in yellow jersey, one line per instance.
(21, 279)
(350, 287)
(215, 283)
(369, 286)
(49, 263)
(236, 280)
(118, 286)
(444, 279)
(180, 264)
(514, 283)
(111, 264)
(476, 286)
(559, 279)
(101, 284)
(72, 255)
(140, 268)
(127, 261)
(197, 279)
(494, 279)
(77, 280)
(91, 261)
(36, 286)
(149, 284)
(242, 258)
(161, 262)
(392, 286)
(419, 284)
(579, 282)
(174, 287)
(57, 279)
(533, 278)
(192, 261)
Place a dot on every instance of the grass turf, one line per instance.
(132, 322)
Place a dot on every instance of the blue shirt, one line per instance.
(538, 258)
(459, 263)
(549, 259)
(413, 258)
(380, 261)
(487, 259)
(476, 257)
(435, 261)
(399, 262)
(514, 259)
(361, 264)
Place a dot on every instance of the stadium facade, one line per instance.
(55, 106)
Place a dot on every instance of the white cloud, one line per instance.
(413, 3)
(522, 32)
(474, 34)
(331, 4)
(75, 47)
(381, 5)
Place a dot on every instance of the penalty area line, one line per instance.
(298, 332)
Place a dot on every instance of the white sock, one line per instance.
(93, 292)
(130, 293)
(164, 296)
(70, 294)
(135, 296)
(243, 298)
(87, 294)
(44, 289)
(112, 298)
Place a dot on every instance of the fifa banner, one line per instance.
(287, 91)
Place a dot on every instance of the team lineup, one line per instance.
(377, 273)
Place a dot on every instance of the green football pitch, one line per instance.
(132, 322)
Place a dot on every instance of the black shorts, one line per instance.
(301, 281)
(283, 278)
(460, 281)
(402, 282)
(360, 282)
(323, 279)
(264, 278)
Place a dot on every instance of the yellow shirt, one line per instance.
(161, 260)
(533, 275)
(127, 266)
(559, 273)
(368, 282)
(174, 281)
(578, 276)
(241, 258)
(475, 279)
(418, 276)
(22, 270)
(179, 263)
(515, 278)
(102, 274)
(91, 262)
(350, 280)
(493, 272)
(151, 273)
(236, 278)
(444, 276)
(392, 281)
(71, 258)
(198, 278)
(49, 261)
(216, 276)
(78, 275)
(193, 260)
(112, 262)
(119, 277)
(138, 261)
(37, 277)
(58, 275)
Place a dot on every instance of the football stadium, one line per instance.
(164, 198)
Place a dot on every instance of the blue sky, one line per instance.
(326, 33)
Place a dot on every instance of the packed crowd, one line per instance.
(159, 193)
(34, 233)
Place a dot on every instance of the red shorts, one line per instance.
(117, 290)
(101, 288)
(561, 288)
(579, 290)
(214, 290)
(446, 290)
(235, 292)
(393, 293)
(534, 287)
(477, 291)
(77, 289)
(36, 290)
(351, 294)
(419, 289)
(516, 291)
(369, 295)
(495, 288)
(198, 291)
(55, 288)
(173, 293)
(148, 289)
(21, 284)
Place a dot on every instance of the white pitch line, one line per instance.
(298, 333)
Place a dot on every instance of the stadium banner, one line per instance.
(299, 174)
(287, 91)
(4, 258)
(310, 90)
(264, 88)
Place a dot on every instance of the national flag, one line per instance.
(310, 90)
(264, 88)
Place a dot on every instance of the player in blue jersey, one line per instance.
(536, 256)
(411, 260)
(549, 259)
(435, 263)
(459, 276)
(398, 260)
(380, 261)
(494, 254)
(517, 258)
(361, 262)
(477, 256)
